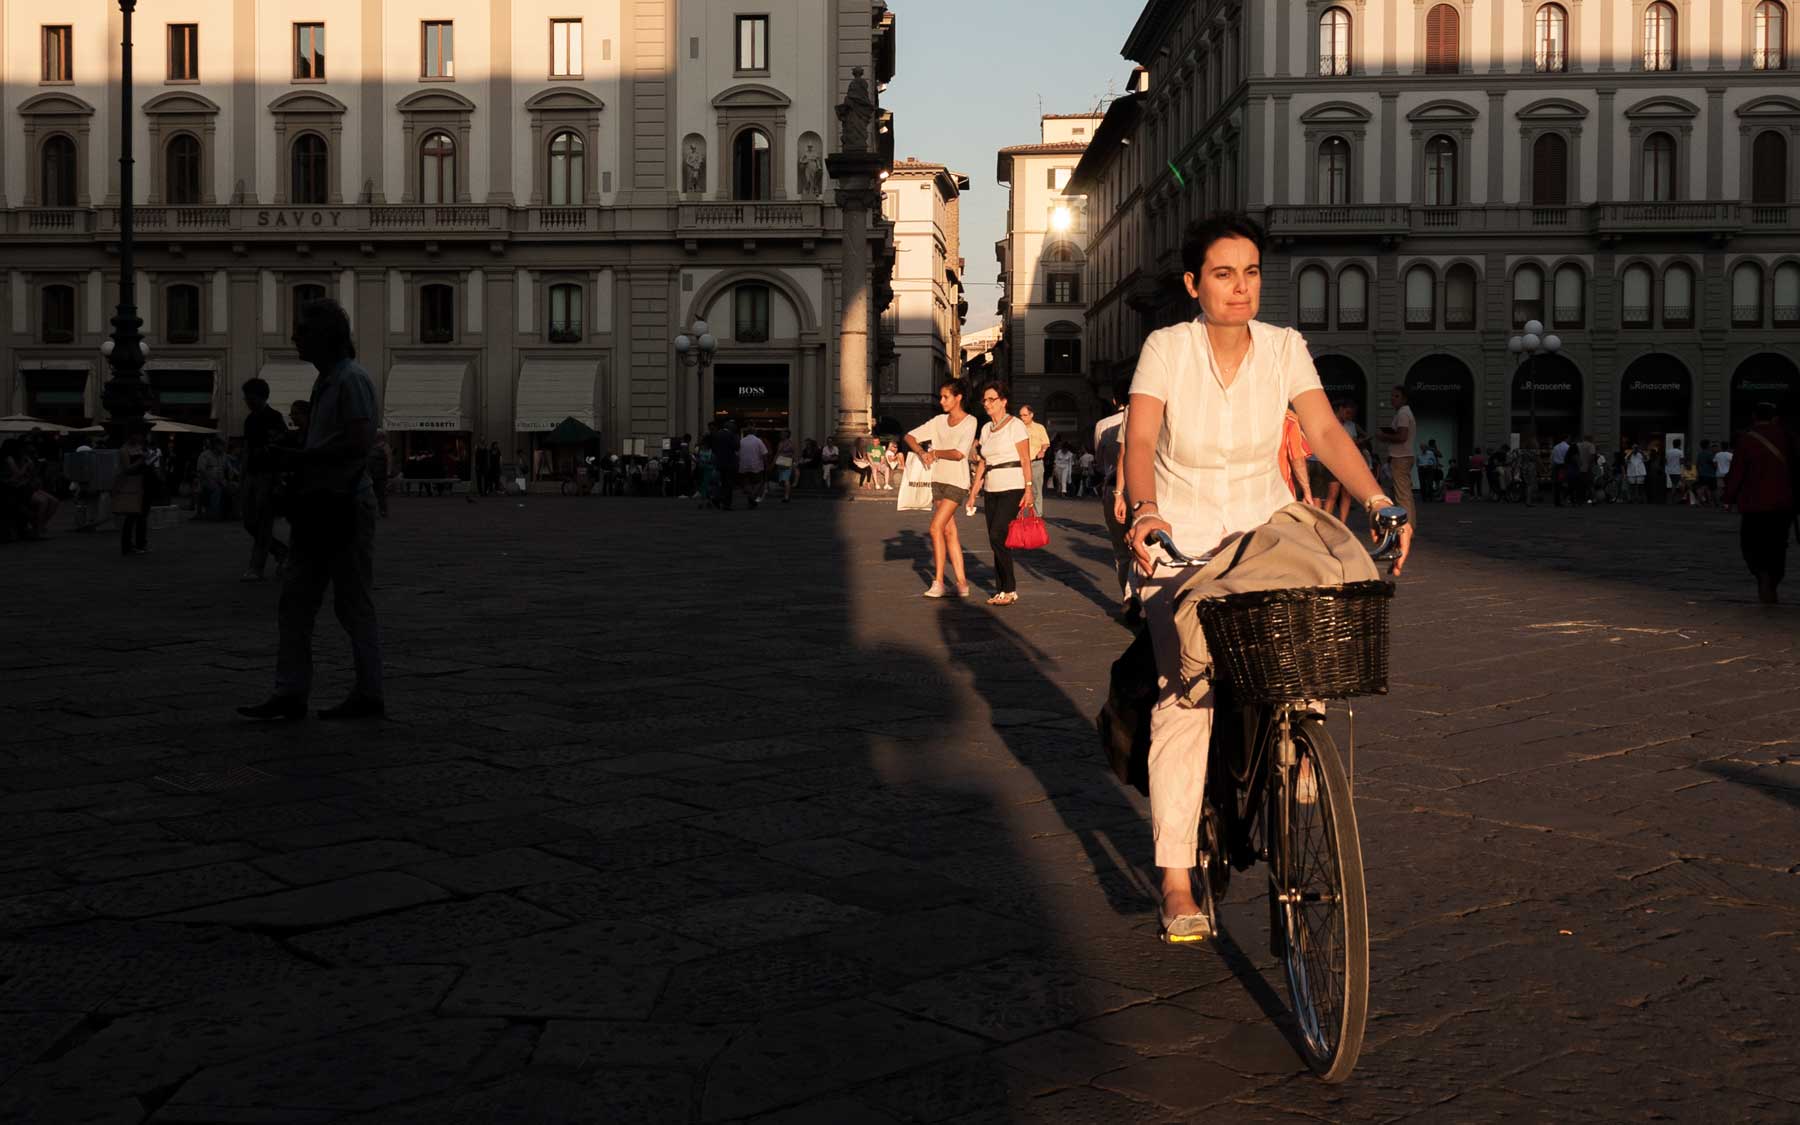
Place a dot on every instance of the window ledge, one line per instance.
(307, 81)
(181, 82)
(763, 73)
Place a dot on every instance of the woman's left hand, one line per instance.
(1025, 500)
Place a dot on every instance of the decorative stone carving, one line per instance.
(693, 165)
(856, 116)
(812, 166)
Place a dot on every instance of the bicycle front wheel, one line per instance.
(1324, 907)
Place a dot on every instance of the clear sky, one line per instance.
(973, 76)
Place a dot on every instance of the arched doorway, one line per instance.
(1546, 399)
(1767, 377)
(1655, 400)
(1441, 391)
(1344, 381)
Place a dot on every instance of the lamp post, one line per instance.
(1533, 343)
(696, 348)
(125, 394)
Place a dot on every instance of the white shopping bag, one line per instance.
(915, 486)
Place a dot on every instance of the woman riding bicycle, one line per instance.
(1201, 443)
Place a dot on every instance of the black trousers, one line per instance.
(134, 531)
(1763, 537)
(727, 485)
(1002, 508)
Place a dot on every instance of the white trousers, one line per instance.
(1179, 736)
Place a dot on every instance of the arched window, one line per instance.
(1440, 172)
(565, 314)
(1334, 170)
(437, 314)
(1570, 307)
(1528, 295)
(1768, 37)
(1678, 297)
(567, 167)
(1551, 35)
(1659, 36)
(1787, 294)
(56, 320)
(1353, 297)
(181, 314)
(1550, 170)
(1334, 42)
(437, 169)
(1459, 297)
(181, 169)
(1768, 168)
(1634, 309)
(1443, 40)
(1313, 286)
(311, 169)
(1421, 298)
(1659, 168)
(59, 172)
(751, 307)
(1746, 295)
(303, 295)
(752, 166)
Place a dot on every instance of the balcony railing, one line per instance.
(1419, 316)
(1746, 316)
(1769, 214)
(1353, 317)
(1312, 316)
(1768, 58)
(1635, 316)
(60, 221)
(1698, 217)
(1339, 218)
(749, 216)
(1787, 315)
(1569, 316)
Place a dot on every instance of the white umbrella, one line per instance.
(161, 425)
(25, 423)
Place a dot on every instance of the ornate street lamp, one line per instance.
(696, 348)
(1532, 344)
(125, 394)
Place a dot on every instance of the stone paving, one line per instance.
(688, 816)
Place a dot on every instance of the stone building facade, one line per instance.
(921, 331)
(521, 204)
(1434, 175)
(1042, 262)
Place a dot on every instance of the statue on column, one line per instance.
(856, 116)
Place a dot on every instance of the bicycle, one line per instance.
(1277, 791)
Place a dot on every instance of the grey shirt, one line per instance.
(340, 396)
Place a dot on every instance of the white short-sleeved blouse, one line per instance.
(942, 437)
(1001, 447)
(1216, 470)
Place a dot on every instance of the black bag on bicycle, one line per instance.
(1124, 721)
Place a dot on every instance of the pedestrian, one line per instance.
(753, 461)
(1040, 446)
(812, 464)
(1431, 471)
(1001, 453)
(1762, 483)
(1400, 437)
(1065, 468)
(1559, 471)
(1705, 469)
(787, 461)
(264, 430)
(828, 460)
(1672, 462)
(131, 496)
(1191, 474)
(1109, 444)
(944, 444)
(706, 471)
(24, 499)
(381, 468)
(1337, 498)
(1477, 473)
(1635, 472)
(1722, 469)
(725, 445)
(859, 459)
(333, 514)
(1530, 465)
(896, 464)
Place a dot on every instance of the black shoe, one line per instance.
(355, 707)
(284, 708)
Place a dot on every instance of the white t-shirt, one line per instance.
(1001, 447)
(1109, 441)
(1722, 463)
(1672, 462)
(1403, 421)
(752, 454)
(1634, 468)
(942, 437)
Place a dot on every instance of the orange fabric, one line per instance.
(1292, 441)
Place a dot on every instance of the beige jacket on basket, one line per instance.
(1299, 546)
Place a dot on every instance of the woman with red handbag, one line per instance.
(1001, 454)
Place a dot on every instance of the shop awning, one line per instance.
(553, 389)
(426, 396)
(289, 382)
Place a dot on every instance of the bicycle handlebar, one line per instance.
(1388, 521)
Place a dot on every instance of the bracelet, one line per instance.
(1133, 525)
(1369, 504)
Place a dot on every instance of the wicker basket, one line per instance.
(1323, 642)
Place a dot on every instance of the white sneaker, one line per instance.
(936, 590)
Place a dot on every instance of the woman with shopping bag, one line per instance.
(1001, 454)
(949, 436)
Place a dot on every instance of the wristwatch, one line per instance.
(1140, 504)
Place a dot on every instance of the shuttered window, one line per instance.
(1678, 297)
(1550, 170)
(1746, 295)
(1635, 309)
(1443, 46)
(1313, 284)
(1768, 173)
(1353, 298)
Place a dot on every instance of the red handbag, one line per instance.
(1027, 531)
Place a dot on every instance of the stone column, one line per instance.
(856, 170)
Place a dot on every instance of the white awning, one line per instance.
(426, 396)
(553, 389)
(288, 382)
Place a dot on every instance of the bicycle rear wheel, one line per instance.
(1324, 908)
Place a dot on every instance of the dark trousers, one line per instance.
(727, 485)
(346, 565)
(134, 532)
(1763, 537)
(1002, 508)
(259, 520)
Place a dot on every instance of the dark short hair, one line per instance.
(1400, 389)
(999, 387)
(257, 387)
(332, 322)
(957, 387)
(1202, 233)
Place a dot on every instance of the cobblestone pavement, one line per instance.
(692, 816)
